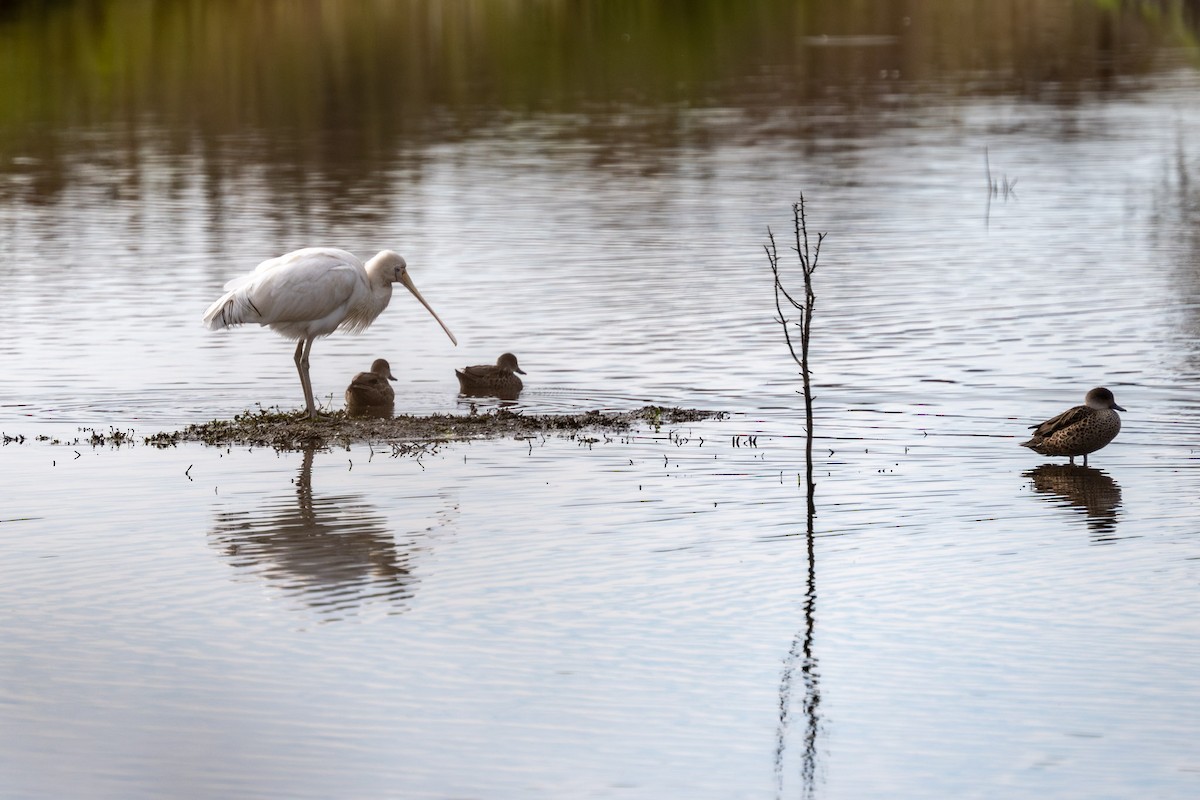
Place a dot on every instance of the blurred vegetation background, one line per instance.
(332, 85)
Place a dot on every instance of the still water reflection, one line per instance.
(1086, 489)
(333, 552)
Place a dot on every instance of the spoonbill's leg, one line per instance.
(302, 350)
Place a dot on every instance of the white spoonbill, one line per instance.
(310, 293)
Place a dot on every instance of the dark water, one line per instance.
(590, 186)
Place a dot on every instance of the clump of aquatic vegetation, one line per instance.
(114, 437)
(271, 427)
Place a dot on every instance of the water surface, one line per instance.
(634, 615)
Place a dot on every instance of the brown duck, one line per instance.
(371, 390)
(492, 380)
(1080, 430)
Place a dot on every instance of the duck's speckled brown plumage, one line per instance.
(370, 391)
(492, 380)
(1080, 430)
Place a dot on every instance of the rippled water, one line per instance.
(641, 614)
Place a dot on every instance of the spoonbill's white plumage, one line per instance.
(310, 293)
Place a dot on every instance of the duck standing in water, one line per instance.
(492, 380)
(370, 393)
(1080, 430)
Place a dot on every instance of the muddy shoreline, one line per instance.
(294, 431)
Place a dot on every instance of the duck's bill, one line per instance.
(408, 284)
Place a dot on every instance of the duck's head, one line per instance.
(509, 361)
(381, 368)
(1101, 398)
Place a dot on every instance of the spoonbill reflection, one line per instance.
(310, 293)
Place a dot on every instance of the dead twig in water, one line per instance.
(808, 264)
(801, 659)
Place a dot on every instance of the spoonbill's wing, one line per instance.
(304, 290)
(301, 294)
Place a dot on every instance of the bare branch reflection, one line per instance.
(801, 659)
(1088, 489)
(335, 553)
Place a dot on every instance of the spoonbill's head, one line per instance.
(392, 267)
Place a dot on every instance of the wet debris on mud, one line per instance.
(113, 437)
(294, 430)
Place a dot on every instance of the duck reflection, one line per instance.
(1085, 488)
(335, 553)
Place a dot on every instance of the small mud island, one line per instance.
(296, 431)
